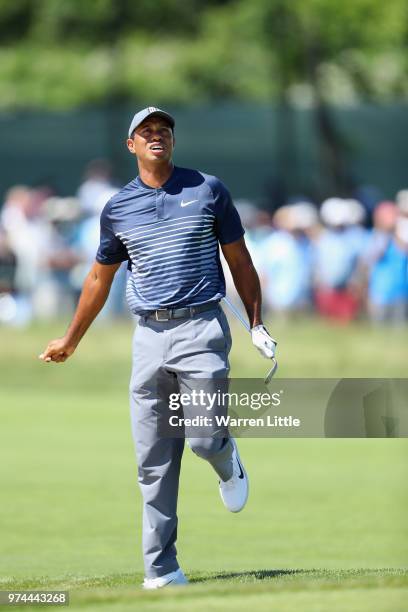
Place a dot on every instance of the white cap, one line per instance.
(357, 212)
(335, 212)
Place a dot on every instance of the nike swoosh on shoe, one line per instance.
(241, 473)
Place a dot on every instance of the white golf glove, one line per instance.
(265, 344)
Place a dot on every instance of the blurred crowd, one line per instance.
(47, 246)
(339, 260)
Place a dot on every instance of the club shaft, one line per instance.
(240, 318)
(236, 312)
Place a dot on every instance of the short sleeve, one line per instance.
(111, 250)
(228, 223)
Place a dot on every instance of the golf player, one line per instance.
(169, 224)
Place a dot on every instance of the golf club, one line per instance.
(240, 318)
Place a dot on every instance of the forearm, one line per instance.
(94, 293)
(91, 301)
(247, 284)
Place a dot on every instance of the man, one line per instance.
(168, 222)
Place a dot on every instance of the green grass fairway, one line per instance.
(325, 528)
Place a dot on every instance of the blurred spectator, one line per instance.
(287, 259)
(384, 220)
(258, 226)
(402, 201)
(97, 183)
(386, 260)
(8, 264)
(88, 242)
(337, 250)
(56, 294)
(93, 194)
(38, 196)
(28, 238)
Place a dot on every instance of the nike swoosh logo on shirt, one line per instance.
(187, 203)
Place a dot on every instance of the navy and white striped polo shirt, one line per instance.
(170, 236)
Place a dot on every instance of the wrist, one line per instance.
(71, 341)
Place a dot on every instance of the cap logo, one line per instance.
(152, 109)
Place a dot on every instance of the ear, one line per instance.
(130, 145)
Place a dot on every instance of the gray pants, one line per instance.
(165, 356)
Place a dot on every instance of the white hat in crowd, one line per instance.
(337, 212)
(295, 217)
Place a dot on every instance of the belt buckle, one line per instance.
(159, 318)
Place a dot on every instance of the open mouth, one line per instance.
(157, 147)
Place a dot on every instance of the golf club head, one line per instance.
(271, 372)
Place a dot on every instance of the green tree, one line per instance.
(62, 53)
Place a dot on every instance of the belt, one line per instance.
(166, 314)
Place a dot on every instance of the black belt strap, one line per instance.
(167, 314)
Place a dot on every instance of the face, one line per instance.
(152, 141)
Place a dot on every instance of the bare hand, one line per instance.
(57, 350)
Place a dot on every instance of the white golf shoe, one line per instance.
(234, 492)
(172, 579)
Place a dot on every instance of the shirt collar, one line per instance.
(171, 178)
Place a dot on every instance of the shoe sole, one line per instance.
(172, 582)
